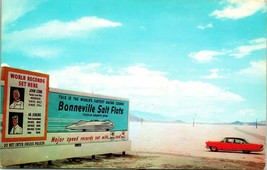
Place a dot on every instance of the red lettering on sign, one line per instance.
(22, 83)
(57, 139)
(33, 85)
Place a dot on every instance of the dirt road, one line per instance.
(146, 160)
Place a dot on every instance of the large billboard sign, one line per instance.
(25, 105)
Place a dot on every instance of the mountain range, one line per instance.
(138, 116)
(260, 123)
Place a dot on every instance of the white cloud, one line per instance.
(60, 30)
(237, 9)
(253, 45)
(256, 69)
(148, 90)
(4, 65)
(214, 74)
(203, 27)
(14, 9)
(205, 56)
(41, 51)
(36, 41)
(247, 113)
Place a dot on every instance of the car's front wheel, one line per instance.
(213, 149)
(246, 151)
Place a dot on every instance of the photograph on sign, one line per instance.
(17, 99)
(15, 123)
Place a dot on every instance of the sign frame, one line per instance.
(5, 77)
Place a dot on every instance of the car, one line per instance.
(233, 144)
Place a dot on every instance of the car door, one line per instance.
(244, 146)
(226, 144)
(237, 145)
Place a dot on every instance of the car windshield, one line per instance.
(225, 140)
(245, 141)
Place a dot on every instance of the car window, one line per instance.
(238, 141)
(231, 140)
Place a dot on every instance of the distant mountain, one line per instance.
(179, 121)
(148, 116)
(260, 123)
(134, 118)
(237, 123)
(151, 117)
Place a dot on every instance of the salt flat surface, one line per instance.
(173, 146)
(184, 139)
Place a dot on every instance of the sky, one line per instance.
(180, 59)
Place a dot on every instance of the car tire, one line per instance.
(246, 152)
(213, 149)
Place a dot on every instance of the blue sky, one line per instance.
(178, 58)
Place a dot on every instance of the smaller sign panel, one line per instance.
(25, 105)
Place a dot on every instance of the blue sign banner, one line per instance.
(72, 113)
